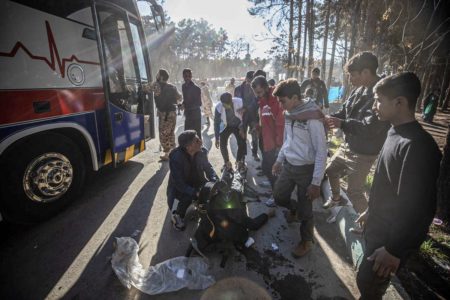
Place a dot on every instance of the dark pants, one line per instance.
(254, 135)
(370, 285)
(224, 135)
(268, 159)
(193, 120)
(184, 200)
(290, 177)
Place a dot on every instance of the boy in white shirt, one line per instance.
(301, 161)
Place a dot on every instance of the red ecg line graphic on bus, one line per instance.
(55, 60)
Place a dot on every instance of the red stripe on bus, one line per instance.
(21, 105)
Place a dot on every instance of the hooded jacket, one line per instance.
(271, 121)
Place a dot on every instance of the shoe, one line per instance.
(256, 157)
(332, 203)
(260, 174)
(164, 157)
(177, 222)
(271, 213)
(290, 216)
(258, 168)
(356, 230)
(240, 166)
(302, 249)
(270, 202)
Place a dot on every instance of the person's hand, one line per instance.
(217, 143)
(384, 263)
(313, 192)
(276, 168)
(333, 122)
(361, 220)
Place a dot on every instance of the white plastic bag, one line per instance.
(170, 275)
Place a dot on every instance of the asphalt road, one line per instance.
(69, 255)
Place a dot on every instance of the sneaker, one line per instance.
(302, 249)
(332, 203)
(177, 222)
(241, 166)
(356, 230)
(270, 202)
(256, 157)
(290, 216)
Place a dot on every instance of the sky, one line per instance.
(231, 15)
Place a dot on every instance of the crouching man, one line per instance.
(300, 162)
(189, 171)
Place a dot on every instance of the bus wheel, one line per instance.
(43, 174)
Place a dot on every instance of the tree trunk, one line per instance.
(445, 80)
(325, 38)
(443, 196)
(311, 36)
(333, 48)
(422, 93)
(305, 32)
(447, 98)
(299, 36)
(355, 21)
(291, 38)
(362, 24)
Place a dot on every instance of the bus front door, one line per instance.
(124, 72)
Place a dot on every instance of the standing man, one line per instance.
(189, 171)
(166, 100)
(364, 134)
(271, 126)
(228, 116)
(206, 102)
(318, 87)
(300, 163)
(403, 195)
(230, 87)
(249, 111)
(192, 101)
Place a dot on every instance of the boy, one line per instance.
(403, 195)
(364, 134)
(271, 127)
(300, 162)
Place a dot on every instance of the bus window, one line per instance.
(121, 71)
(139, 54)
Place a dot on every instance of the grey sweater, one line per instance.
(305, 143)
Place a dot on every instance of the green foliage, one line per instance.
(369, 181)
(428, 249)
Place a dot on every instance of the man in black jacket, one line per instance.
(249, 111)
(192, 102)
(318, 87)
(364, 133)
(189, 171)
(402, 200)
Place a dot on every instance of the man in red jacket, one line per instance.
(271, 126)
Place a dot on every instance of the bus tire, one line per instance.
(42, 175)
